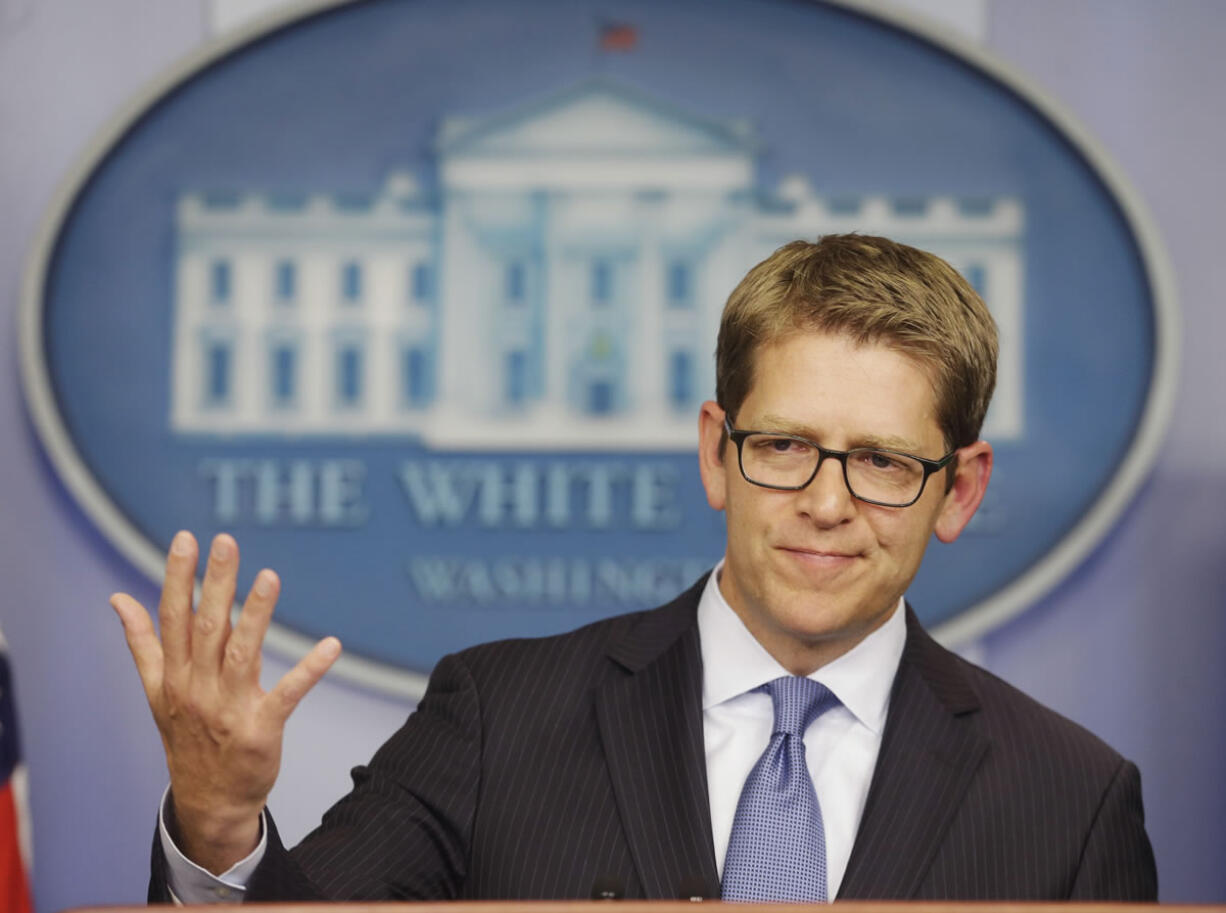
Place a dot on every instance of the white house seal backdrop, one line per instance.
(419, 300)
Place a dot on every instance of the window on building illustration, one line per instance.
(910, 206)
(602, 282)
(353, 202)
(222, 199)
(218, 365)
(349, 375)
(517, 377)
(284, 374)
(600, 397)
(515, 282)
(977, 276)
(976, 206)
(221, 281)
(421, 282)
(288, 201)
(413, 376)
(286, 280)
(351, 282)
(844, 206)
(678, 284)
(680, 378)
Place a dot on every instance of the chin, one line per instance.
(810, 620)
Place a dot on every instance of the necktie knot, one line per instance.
(798, 702)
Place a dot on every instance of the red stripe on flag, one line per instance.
(618, 36)
(14, 886)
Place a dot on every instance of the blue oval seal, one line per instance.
(418, 299)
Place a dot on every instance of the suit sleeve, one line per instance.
(176, 879)
(1117, 863)
(404, 830)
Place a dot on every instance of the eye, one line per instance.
(771, 445)
(882, 462)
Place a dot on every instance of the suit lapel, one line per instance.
(929, 754)
(650, 717)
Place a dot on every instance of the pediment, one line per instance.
(596, 118)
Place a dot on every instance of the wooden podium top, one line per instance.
(683, 906)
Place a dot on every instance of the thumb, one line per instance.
(294, 685)
(142, 641)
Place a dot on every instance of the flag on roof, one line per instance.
(14, 817)
(618, 36)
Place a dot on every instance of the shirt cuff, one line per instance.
(190, 884)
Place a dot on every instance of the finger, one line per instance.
(241, 663)
(142, 642)
(281, 701)
(175, 606)
(212, 622)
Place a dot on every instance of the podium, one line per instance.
(685, 906)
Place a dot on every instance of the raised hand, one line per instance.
(221, 731)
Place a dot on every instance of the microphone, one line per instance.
(607, 887)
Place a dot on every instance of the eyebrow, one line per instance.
(875, 441)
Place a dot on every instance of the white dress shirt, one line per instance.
(191, 884)
(841, 745)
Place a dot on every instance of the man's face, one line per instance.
(812, 572)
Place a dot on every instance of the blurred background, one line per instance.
(1128, 644)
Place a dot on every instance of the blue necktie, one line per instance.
(777, 850)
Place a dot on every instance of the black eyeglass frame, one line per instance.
(930, 466)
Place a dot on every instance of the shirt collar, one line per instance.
(733, 662)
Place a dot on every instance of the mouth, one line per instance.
(819, 557)
(815, 567)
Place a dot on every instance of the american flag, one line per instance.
(14, 819)
(618, 36)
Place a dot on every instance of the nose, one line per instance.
(826, 499)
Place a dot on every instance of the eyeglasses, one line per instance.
(785, 462)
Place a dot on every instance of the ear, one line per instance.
(973, 469)
(711, 454)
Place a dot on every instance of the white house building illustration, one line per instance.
(558, 283)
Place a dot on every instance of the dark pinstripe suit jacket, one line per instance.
(536, 768)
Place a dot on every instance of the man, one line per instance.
(640, 756)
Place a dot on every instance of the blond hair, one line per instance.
(875, 291)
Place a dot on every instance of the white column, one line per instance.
(559, 306)
(648, 395)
